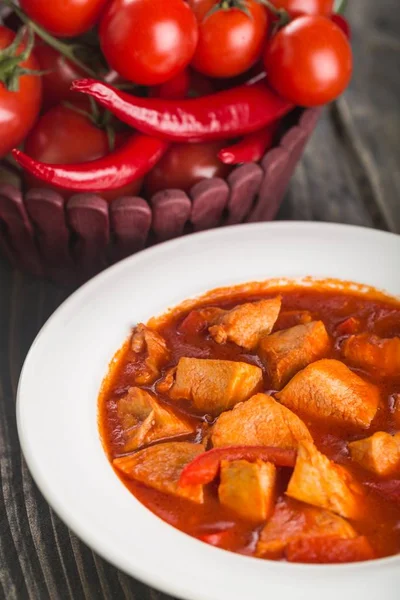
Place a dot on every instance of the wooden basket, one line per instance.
(71, 241)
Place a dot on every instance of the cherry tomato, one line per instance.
(54, 140)
(64, 18)
(309, 61)
(19, 109)
(184, 165)
(148, 41)
(59, 74)
(230, 41)
(306, 7)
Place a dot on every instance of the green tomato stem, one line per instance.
(340, 6)
(66, 50)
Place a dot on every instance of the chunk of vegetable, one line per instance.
(329, 549)
(160, 467)
(285, 352)
(379, 453)
(144, 420)
(349, 326)
(152, 353)
(246, 323)
(215, 385)
(261, 421)
(205, 467)
(318, 481)
(327, 389)
(374, 353)
(292, 521)
(248, 489)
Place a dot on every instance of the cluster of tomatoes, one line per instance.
(165, 48)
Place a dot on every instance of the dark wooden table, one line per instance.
(350, 174)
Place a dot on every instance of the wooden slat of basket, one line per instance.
(171, 211)
(244, 183)
(130, 219)
(209, 197)
(19, 236)
(88, 217)
(46, 209)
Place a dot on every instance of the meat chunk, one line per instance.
(292, 521)
(246, 323)
(199, 318)
(379, 453)
(215, 385)
(318, 481)
(248, 489)
(144, 420)
(328, 390)
(152, 353)
(290, 318)
(285, 352)
(329, 549)
(373, 353)
(261, 421)
(160, 467)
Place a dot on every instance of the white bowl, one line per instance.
(60, 381)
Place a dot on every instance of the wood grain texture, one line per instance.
(349, 173)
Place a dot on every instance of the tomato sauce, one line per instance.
(212, 522)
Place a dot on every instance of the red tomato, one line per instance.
(64, 136)
(184, 165)
(64, 18)
(60, 73)
(306, 7)
(18, 110)
(148, 41)
(230, 41)
(309, 61)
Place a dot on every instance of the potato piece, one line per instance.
(379, 453)
(329, 549)
(292, 521)
(328, 390)
(153, 346)
(373, 353)
(215, 385)
(160, 467)
(144, 420)
(285, 352)
(248, 489)
(246, 323)
(261, 421)
(318, 481)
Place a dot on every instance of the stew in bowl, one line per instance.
(265, 420)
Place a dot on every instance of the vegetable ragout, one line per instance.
(265, 422)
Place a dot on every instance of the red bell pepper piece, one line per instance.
(349, 326)
(329, 549)
(250, 149)
(205, 467)
(117, 169)
(388, 489)
(230, 113)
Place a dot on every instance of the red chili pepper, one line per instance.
(229, 113)
(205, 467)
(250, 149)
(119, 168)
